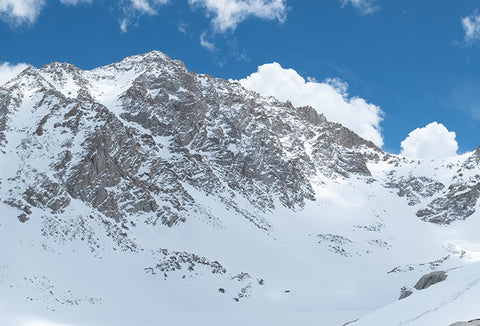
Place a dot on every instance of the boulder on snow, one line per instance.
(429, 279)
(405, 292)
(475, 322)
(424, 282)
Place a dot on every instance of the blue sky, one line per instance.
(416, 61)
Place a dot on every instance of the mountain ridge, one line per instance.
(166, 170)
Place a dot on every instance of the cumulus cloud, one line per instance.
(365, 7)
(432, 141)
(9, 71)
(19, 12)
(329, 97)
(471, 26)
(227, 14)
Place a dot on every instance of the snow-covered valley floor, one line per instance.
(327, 264)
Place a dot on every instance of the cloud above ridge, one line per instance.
(329, 97)
(9, 71)
(430, 142)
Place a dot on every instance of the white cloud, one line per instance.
(132, 9)
(147, 6)
(210, 46)
(365, 7)
(182, 27)
(329, 97)
(124, 25)
(75, 2)
(227, 14)
(19, 12)
(471, 26)
(432, 141)
(9, 71)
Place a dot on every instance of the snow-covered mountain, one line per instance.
(141, 193)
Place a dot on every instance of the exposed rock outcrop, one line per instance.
(474, 322)
(424, 282)
(429, 279)
(458, 204)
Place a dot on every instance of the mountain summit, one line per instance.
(143, 188)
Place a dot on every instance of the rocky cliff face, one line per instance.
(130, 137)
(459, 200)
